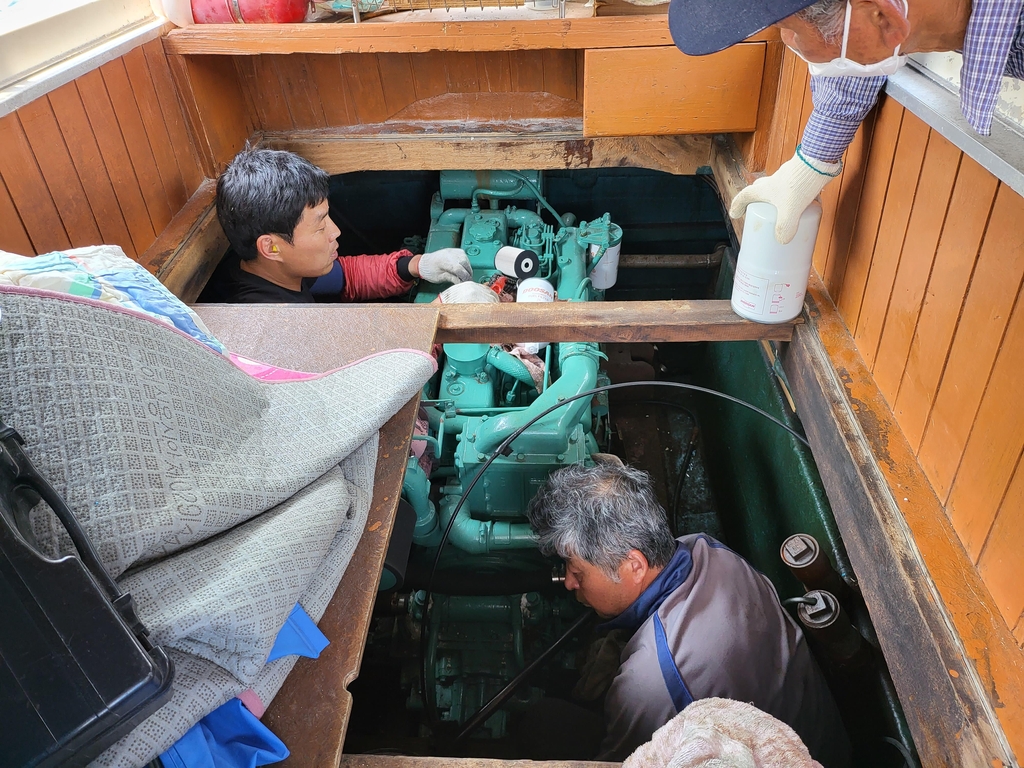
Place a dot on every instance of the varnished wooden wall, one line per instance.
(922, 250)
(106, 158)
(308, 91)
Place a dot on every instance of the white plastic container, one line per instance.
(771, 278)
(604, 275)
(535, 290)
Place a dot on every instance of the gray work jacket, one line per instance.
(710, 625)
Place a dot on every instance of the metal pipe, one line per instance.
(416, 489)
(478, 537)
(511, 365)
(670, 260)
(505, 693)
(578, 364)
(474, 202)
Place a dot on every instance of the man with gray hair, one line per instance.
(851, 47)
(704, 622)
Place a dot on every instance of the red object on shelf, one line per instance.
(249, 11)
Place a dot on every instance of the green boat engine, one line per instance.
(494, 604)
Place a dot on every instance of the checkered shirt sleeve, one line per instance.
(840, 104)
(993, 47)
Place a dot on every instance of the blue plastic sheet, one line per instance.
(299, 636)
(228, 737)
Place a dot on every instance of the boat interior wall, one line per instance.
(922, 251)
(106, 158)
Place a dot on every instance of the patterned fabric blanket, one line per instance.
(217, 499)
(104, 273)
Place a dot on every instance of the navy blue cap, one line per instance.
(700, 27)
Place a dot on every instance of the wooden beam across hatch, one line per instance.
(602, 321)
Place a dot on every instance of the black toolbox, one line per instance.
(77, 670)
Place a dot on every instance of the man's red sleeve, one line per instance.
(373, 277)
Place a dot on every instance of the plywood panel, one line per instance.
(460, 72)
(494, 71)
(396, 77)
(915, 263)
(892, 229)
(216, 108)
(993, 449)
(28, 189)
(58, 170)
(134, 132)
(869, 214)
(363, 80)
(156, 128)
(851, 184)
(527, 71)
(13, 237)
(334, 94)
(274, 108)
(69, 111)
(671, 92)
(300, 89)
(1000, 564)
(778, 138)
(955, 256)
(174, 116)
(990, 299)
(116, 159)
(429, 75)
(560, 73)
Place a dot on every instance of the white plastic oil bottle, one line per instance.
(771, 278)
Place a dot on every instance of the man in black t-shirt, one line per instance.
(273, 208)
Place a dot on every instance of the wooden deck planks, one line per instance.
(999, 563)
(892, 229)
(869, 213)
(990, 298)
(58, 169)
(991, 452)
(13, 237)
(69, 112)
(955, 256)
(116, 159)
(28, 190)
(927, 217)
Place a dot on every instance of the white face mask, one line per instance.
(844, 67)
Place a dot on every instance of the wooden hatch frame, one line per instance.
(939, 632)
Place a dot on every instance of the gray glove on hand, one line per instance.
(448, 265)
(790, 189)
(469, 293)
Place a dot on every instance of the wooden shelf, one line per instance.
(421, 36)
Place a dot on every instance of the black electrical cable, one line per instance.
(502, 696)
(799, 601)
(430, 706)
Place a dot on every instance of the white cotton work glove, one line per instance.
(469, 293)
(448, 265)
(790, 189)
